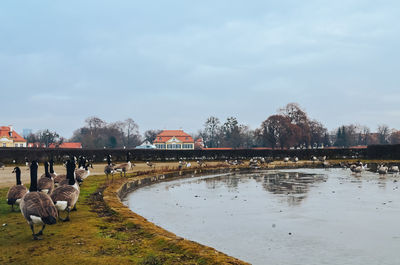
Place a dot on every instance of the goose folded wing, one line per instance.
(38, 204)
(65, 193)
(16, 192)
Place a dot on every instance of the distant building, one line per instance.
(66, 145)
(174, 140)
(26, 133)
(10, 138)
(146, 145)
(36, 145)
(199, 144)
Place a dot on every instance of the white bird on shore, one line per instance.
(394, 169)
(382, 169)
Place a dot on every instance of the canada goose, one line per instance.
(52, 173)
(123, 168)
(16, 192)
(358, 168)
(382, 169)
(394, 169)
(151, 165)
(46, 182)
(81, 162)
(108, 158)
(37, 207)
(66, 196)
(109, 170)
(51, 170)
(27, 163)
(326, 164)
(82, 172)
(201, 163)
(286, 159)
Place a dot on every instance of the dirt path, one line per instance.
(7, 178)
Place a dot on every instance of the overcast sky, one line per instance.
(171, 64)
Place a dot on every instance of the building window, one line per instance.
(160, 146)
(21, 145)
(4, 144)
(16, 145)
(187, 146)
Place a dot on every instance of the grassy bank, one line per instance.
(96, 235)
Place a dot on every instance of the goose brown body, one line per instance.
(53, 175)
(38, 204)
(46, 184)
(67, 193)
(37, 207)
(15, 193)
(57, 179)
(123, 168)
(81, 174)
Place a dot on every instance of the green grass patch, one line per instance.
(95, 235)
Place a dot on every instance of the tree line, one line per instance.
(290, 127)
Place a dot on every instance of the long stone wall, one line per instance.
(8, 155)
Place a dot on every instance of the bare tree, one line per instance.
(383, 134)
(395, 137)
(211, 132)
(277, 130)
(295, 113)
(131, 130)
(150, 135)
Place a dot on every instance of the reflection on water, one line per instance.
(302, 216)
(294, 185)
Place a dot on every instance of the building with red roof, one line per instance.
(199, 143)
(66, 145)
(10, 138)
(173, 140)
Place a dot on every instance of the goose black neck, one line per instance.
(81, 162)
(18, 175)
(51, 166)
(46, 169)
(108, 159)
(70, 173)
(34, 169)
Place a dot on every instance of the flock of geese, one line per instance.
(381, 169)
(49, 195)
(111, 169)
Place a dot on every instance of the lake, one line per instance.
(302, 216)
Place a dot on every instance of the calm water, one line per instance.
(306, 216)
